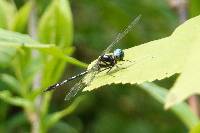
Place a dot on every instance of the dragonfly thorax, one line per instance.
(107, 60)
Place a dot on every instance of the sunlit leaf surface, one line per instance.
(188, 82)
(157, 59)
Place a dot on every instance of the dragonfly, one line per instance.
(105, 61)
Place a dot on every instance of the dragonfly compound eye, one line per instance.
(118, 54)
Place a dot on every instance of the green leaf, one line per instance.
(194, 7)
(17, 101)
(195, 129)
(153, 60)
(15, 40)
(60, 54)
(18, 120)
(21, 18)
(182, 110)
(7, 11)
(3, 22)
(55, 117)
(188, 82)
(56, 24)
(6, 55)
(62, 127)
(56, 27)
(12, 82)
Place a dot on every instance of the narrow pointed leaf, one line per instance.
(12, 82)
(7, 12)
(10, 40)
(56, 24)
(17, 101)
(21, 18)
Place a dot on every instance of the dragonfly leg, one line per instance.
(110, 68)
(106, 68)
(127, 60)
(111, 75)
(118, 66)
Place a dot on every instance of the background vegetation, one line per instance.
(82, 29)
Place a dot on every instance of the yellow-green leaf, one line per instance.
(149, 62)
(154, 60)
(188, 83)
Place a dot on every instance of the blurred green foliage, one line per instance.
(84, 27)
(194, 7)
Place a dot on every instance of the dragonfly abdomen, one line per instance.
(52, 87)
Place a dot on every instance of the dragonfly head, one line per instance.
(118, 54)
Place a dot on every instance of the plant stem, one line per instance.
(181, 7)
(36, 83)
(194, 104)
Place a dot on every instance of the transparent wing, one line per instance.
(122, 34)
(117, 39)
(75, 89)
(85, 81)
